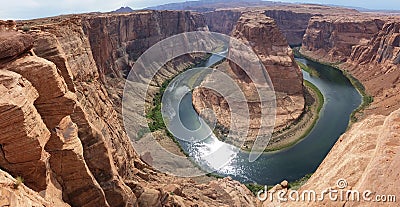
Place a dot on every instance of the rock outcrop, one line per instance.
(376, 65)
(14, 193)
(8, 25)
(56, 101)
(24, 134)
(364, 45)
(291, 23)
(100, 163)
(365, 157)
(118, 40)
(222, 21)
(262, 34)
(331, 38)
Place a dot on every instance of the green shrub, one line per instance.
(26, 28)
(254, 187)
(298, 183)
(18, 181)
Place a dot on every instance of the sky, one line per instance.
(29, 9)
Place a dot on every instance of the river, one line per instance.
(341, 98)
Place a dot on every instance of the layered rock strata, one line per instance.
(222, 21)
(292, 24)
(376, 65)
(331, 38)
(364, 45)
(118, 40)
(56, 101)
(262, 34)
(365, 157)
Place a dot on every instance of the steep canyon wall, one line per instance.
(79, 152)
(263, 36)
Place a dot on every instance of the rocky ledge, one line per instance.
(61, 130)
(263, 36)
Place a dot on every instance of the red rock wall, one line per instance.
(262, 34)
(366, 46)
(118, 40)
(377, 65)
(81, 154)
(331, 38)
(291, 23)
(222, 21)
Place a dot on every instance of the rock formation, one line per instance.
(365, 156)
(376, 65)
(262, 34)
(14, 193)
(24, 134)
(60, 94)
(291, 23)
(56, 106)
(331, 38)
(118, 40)
(222, 21)
(364, 45)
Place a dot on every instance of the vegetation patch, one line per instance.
(295, 185)
(214, 175)
(366, 98)
(154, 114)
(310, 70)
(255, 188)
(26, 28)
(18, 181)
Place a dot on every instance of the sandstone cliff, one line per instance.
(55, 101)
(376, 65)
(331, 38)
(60, 86)
(262, 34)
(366, 157)
(291, 23)
(364, 45)
(222, 21)
(118, 40)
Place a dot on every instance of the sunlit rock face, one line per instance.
(376, 65)
(263, 36)
(331, 38)
(364, 157)
(55, 83)
(364, 45)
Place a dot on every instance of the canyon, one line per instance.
(56, 104)
(261, 32)
(62, 80)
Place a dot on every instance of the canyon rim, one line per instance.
(64, 140)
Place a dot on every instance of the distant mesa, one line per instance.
(211, 5)
(123, 10)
